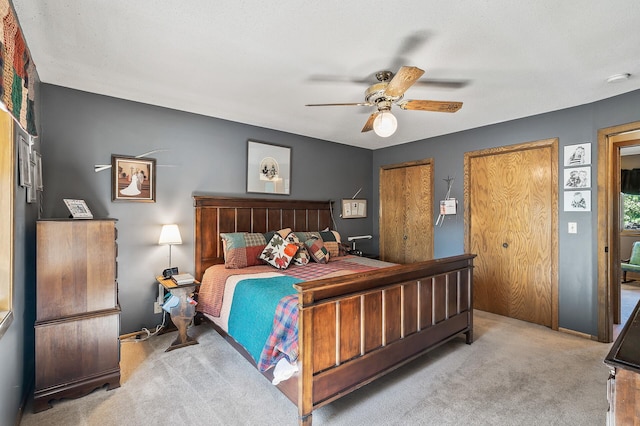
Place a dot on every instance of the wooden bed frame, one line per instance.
(354, 328)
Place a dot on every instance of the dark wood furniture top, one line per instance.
(345, 340)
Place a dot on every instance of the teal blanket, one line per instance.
(253, 308)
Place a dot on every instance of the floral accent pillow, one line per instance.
(317, 250)
(302, 257)
(279, 252)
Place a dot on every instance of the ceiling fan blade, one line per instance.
(444, 84)
(403, 80)
(438, 106)
(368, 126)
(345, 104)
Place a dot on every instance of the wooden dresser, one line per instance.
(623, 388)
(77, 327)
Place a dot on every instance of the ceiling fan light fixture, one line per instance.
(385, 124)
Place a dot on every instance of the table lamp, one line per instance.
(170, 235)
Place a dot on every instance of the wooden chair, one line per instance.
(632, 264)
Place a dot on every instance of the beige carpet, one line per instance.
(515, 373)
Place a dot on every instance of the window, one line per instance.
(7, 189)
(630, 211)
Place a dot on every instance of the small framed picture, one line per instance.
(24, 162)
(78, 209)
(133, 179)
(38, 180)
(577, 177)
(31, 190)
(354, 208)
(577, 201)
(577, 155)
(268, 168)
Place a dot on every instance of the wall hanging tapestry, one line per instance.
(18, 71)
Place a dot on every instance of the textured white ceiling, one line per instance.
(259, 62)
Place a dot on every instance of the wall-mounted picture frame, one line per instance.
(78, 209)
(133, 178)
(353, 208)
(577, 177)
(577, 155)
(39, 180)
(31, 190)
(24, 162)
(268, 168)
(577, 201)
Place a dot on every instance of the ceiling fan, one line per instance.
(390, 89)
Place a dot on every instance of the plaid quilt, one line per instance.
(283, 340)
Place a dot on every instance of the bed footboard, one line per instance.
(356, 328)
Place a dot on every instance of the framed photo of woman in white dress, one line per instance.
(133, 178)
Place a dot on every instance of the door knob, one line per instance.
(505, 245)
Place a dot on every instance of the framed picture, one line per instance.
(268, 168)
(133, 179)
(78, 209)
(37, 175)
(24, 162)
(577, 177)
(354, 208)
(31, 190)
(577, 155)
(577, 201)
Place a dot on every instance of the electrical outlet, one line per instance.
(157, 308)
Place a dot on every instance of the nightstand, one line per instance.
(182, 314)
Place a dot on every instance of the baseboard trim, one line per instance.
(578, 333)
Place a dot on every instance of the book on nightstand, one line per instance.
(182, 278)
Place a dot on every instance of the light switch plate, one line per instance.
(573, 228)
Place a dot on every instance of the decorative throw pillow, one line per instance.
(302, 256)
(241, 249)
(317, 250)
(279, 252)
(331, 242)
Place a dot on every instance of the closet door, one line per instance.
(511, 196)
(406, 212)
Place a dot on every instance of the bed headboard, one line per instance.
(215, 215)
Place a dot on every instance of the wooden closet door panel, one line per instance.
(418, 225)
(511, 211)
(392, 214)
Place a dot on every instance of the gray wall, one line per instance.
(16, 345)
(577, 252)
(205, 155)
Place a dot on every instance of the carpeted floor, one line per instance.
(515, 373)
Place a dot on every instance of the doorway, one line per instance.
(610, 142)
(511, 211)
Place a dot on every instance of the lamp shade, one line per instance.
(170, 234)
(385, 124)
